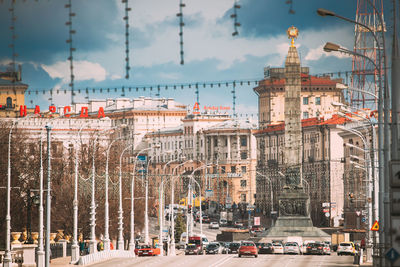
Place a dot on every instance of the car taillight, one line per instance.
(308, 247)
(319, 247)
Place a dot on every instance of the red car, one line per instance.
(147, 250)
(248, 248)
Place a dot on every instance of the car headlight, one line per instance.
(150, 251)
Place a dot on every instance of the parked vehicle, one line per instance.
(214, 248)
(182, 241)
(193, 249)
(327, 249)
(213, 225)
(206, 219)
(315, 249)
(278, 248)
(265, 248)
(346, 248)
(291, 248)
(256, 229)
(248, 248)
(147, 250)
(234, 248)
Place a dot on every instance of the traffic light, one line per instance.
(189, 208)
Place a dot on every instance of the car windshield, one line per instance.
(248, 244)
(277, 245)
(212, 246)
(145, 246)
(345, 244)
(233, 245)
(290, 244)
(191, 246)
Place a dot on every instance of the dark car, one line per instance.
(213, 248)
(265, 248)
(206, 219)
(192, 249)
(234, 248)
(238, 224)
(315, 249)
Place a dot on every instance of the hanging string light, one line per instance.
(126, 18)
(291, 10)
(13, 38)
(181, 24)
(71, 32)
(234, 99)
(234, 16)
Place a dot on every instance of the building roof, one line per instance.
(169, 130)
(234, 124)
(4, 82)
(305, 80)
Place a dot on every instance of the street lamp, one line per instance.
(120, 211)
(270, 186)
(171, 251)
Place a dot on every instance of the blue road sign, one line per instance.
(142, 157)
(363, 219)
(392, 255)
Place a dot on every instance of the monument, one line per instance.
(294, 222)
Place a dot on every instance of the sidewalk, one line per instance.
(61, 261)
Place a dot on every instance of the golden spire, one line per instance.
(292, 33)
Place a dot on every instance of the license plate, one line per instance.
(145, 253)
(314, 249)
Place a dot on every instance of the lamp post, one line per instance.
(92, 242)
(171, 251)
(48, 201)
(383, 130)
(161, 207)
(120, 211)
(270, 186)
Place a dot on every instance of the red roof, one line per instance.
(306, 80)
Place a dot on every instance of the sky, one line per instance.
(211, 53)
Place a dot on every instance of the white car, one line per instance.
(213, 225)
(291, 248)
(278, 248)
(346, 248)
(223, 222)
(327, 249)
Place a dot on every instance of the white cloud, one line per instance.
(83, 70)
(318, 53)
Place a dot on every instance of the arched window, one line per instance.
(9, 102)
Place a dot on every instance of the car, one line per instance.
(265, 248)
(315, 249)
(327, 249)
(225, 247)
(346, 248)
(147, 250)
(256, 229)
(213, 225)
(206, 219)
(223, 222)
(291, 248)
(278, 248)
(248, 248)
(193, 249)
(238, 224)
(305, 244)
(234, 248)
(214, 248)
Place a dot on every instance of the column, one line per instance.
(228, 147)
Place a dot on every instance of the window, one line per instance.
(216, 142)
(305, 115)
(243, 169)
(243, 155)
(223, 169)
(243, 197)
(9, 102)
(305, 100)
(226, 141)
(233, 169)
(243, 141)
(243, 183)
(318, 100)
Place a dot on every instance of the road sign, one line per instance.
(142, 157)
(256, 220)
(375, 226)
(392, 255)
(325, 210)
(228, 200)
(363, 219)
(326, 204)
(209, 193)
(327, 214)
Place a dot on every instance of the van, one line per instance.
(182, 240)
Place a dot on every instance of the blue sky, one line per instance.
(211, 53)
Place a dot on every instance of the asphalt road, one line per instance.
(233, 260)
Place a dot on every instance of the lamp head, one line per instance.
(329, 47)
(324, 12)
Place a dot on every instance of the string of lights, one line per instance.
(181, 24)
(291, 10)
(71, 32)
(234, 16)
(13, 35)
(126, 18)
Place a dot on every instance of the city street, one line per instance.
(233, 260)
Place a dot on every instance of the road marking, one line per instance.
(223, 260)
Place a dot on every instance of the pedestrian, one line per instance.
(81, 247)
